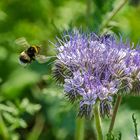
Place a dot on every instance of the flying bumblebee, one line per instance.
(31, 52)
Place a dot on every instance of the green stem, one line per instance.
(118, 101)
(112, 14)
(37, 129)
(98, 121)
(3, 129)
(79, 132)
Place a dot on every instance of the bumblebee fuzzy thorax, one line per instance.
(36, 49)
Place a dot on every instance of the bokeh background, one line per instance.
(32, 105)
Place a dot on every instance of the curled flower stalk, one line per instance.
(93, 68)
(118, 101)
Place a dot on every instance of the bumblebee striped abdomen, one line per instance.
(24, 58)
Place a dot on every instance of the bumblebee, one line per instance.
(31, 53)
(28, 55)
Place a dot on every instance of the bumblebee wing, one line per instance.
(42, 58)
(22, 42)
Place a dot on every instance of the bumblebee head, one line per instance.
(24, 58)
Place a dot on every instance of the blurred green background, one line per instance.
(32, 105)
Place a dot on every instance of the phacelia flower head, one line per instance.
(95, 68)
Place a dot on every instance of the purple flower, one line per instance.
(95, 68)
